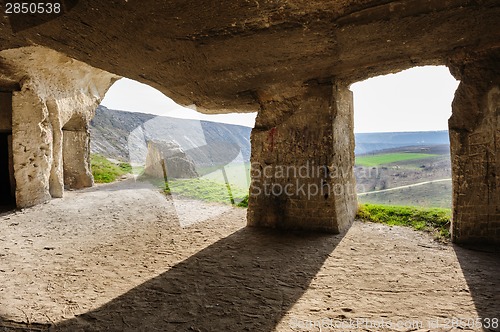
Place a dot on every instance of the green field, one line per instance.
(388, 158)
(436, 195)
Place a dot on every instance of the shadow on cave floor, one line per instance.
(252, 293)
(482, 274)
(10, 326)
(6, 209)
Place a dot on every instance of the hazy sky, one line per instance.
(132, 96)
(418, 99)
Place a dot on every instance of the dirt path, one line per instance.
(403, 187)
(122, 258)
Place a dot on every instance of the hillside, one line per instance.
(383, 160)
(123, 135)
(111, 129)
(375, 142)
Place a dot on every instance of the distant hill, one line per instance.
(110, 129)
(124, 135)
(209, 142)
(374, 142)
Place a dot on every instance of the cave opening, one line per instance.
(7, 181)
(210, 147)
(402, 140)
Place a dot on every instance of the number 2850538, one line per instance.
(32, 8)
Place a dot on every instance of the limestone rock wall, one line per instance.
(285, 59)
(32, 147)
(169, 158)
(302, 159)
(54, 91)
(344, 184)
(155, 165)
(475, 149)
(76, 159)
(216, 53)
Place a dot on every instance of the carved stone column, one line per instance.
(76, 159)
(475, 149)
(303, 158)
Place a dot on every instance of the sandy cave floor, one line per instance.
(122, 257)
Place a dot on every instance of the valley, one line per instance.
(220, 153)
(424, 178)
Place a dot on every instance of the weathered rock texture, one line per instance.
(51, 92)
(475, 149)
(215, 54)
(76, 159)
(168, 160)
(244, 56)
(303, 153)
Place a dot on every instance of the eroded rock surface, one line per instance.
(255, 56)
(167, 160)
(53, 98)
(475, 150)
(215, 54)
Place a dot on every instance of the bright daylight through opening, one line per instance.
(185, 153)
(402, 143)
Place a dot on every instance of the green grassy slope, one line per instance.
(427, 195)
(434, 220)
(104, 171)
(387, 158)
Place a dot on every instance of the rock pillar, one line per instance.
(32, 148)
(475, 150)
(303, 158)
(52, 94)
(76, 159)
